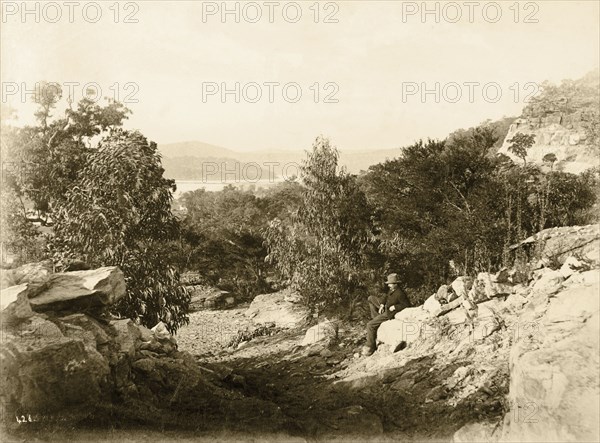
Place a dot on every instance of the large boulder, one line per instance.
(274, 308)
(58, 367)
(558, 244)
(46, 373)
(80, 290)
(407, 326)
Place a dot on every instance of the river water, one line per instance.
(184, 186)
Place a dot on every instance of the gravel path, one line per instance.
(209, 331)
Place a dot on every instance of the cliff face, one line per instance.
(564, 121)
(567, 141)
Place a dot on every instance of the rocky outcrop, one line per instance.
(555, 382)
(553, 135)
(561, 118)
(541, 338)
(60, 367)
(281, 308)
(487, 286)
(554, 245)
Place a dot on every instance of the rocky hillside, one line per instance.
(511, 356)
(564, 120)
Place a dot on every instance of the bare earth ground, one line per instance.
(334, 393)
(329, 393)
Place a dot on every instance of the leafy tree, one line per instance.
(550, 158)
(51, 155)
(224, 241)
(520, 143)
(452, 207)
(108, 199)
(119, 214)
(591, 125)
(322, 251)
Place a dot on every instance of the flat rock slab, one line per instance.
(274, 308)
(80, 290)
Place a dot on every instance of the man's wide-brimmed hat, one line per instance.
(392, 278)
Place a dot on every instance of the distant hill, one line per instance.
(195, 160)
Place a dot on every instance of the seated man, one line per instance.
(384, 309)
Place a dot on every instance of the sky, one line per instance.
(361, 67)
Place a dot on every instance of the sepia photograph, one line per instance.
(301, 221)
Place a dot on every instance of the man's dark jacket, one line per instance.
(398, 299)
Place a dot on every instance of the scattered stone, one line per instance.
(326, 353)
(547, 281)
(486, 287)
(145, 364)
(145, 333)
(274, 308)
(571, 266)
(325, 330)
(146, 353)
(462, 285)
(433, 306)
(451, 305)
(437, 393)
(77, 265)
(335, 360)
(89, 325)
(442, 294)
(487, 321)
(404, 384)
(458, 316)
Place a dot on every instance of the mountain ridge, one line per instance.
(186, 160)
